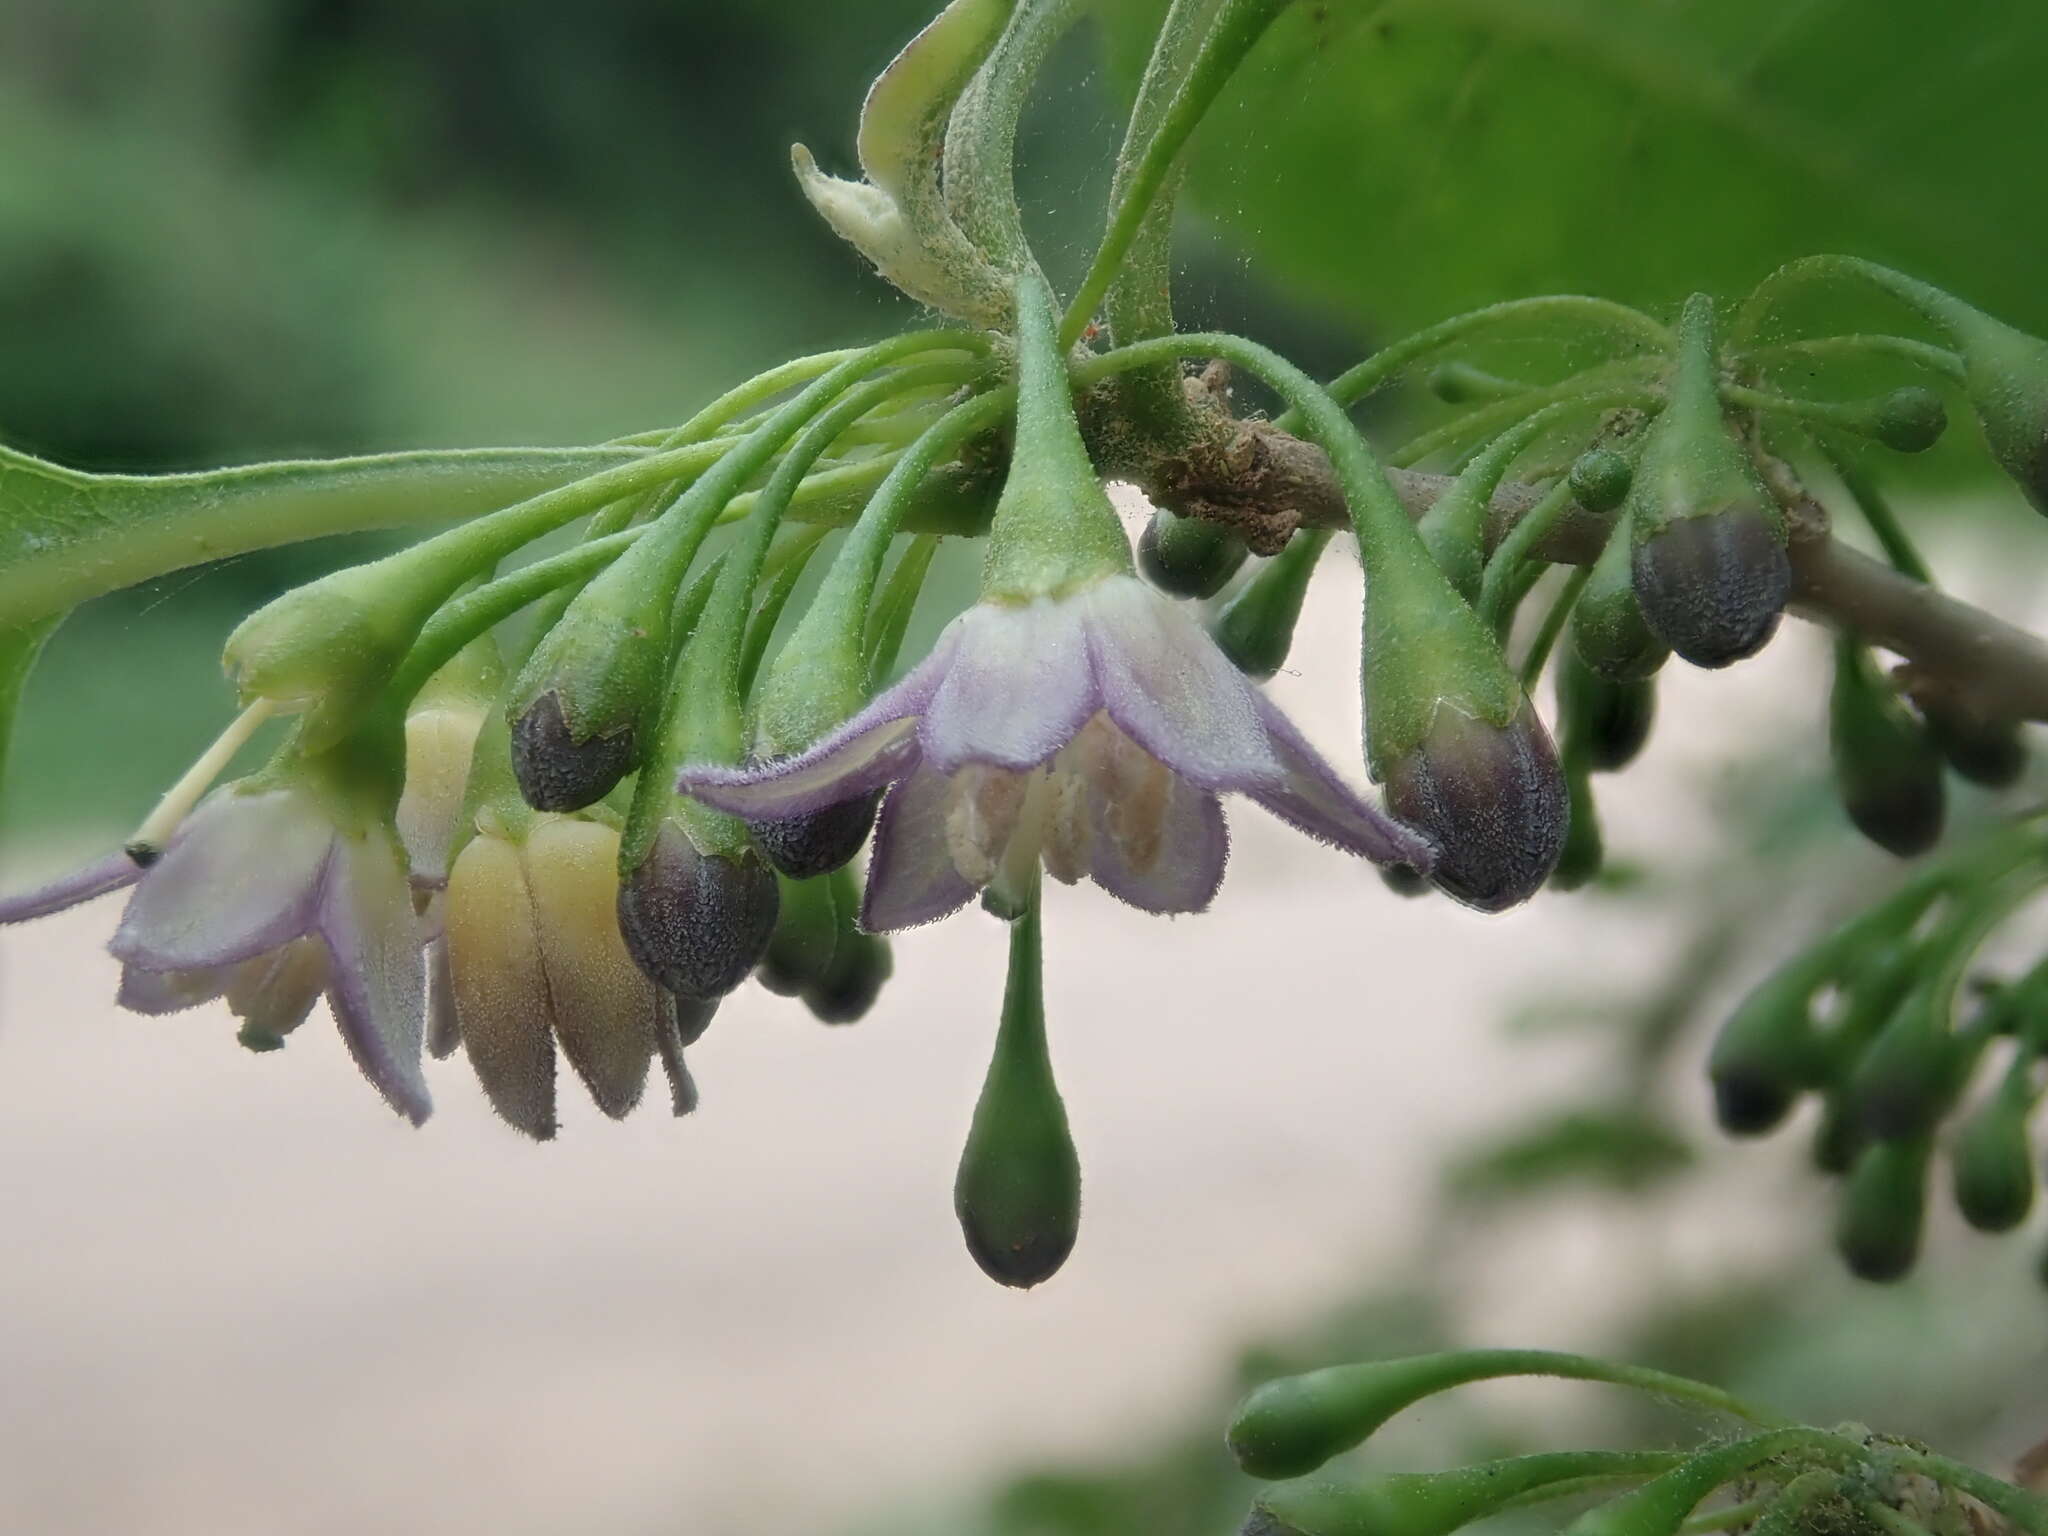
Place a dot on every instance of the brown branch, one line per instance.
(1264, 483)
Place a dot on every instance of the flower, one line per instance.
(534, 957)
(270, 893)
(1094, 730)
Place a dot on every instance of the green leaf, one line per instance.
(1405, 161)
(66, 536)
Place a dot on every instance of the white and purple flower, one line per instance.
(1094, 730)
(267, 897)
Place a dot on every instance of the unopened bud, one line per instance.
(2006, 378)
(1886, 768)
(556, 770)
(1607, 629)
(1188, 556)
(1992, 1162)
(1584, 852)
(1909, 420)
(861, 964)
(1884, 1207)
(1766, 1053)
(1915, 1069)
(1987, 752)
(818, 842)
(1601, 721)
(806, 931)
(1600, 479)
(1428, 1503)
(1712, 586)
(696, 923)
(1256, 629)
(1492, 798)
(1404, 880)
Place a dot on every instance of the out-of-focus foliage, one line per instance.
(1405, 161)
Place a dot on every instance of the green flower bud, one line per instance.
(1256, 628)
(861, 964)
(806, 931)
(1492, 798)
(1188, 556)
(1767, 1053)
(1915, 1069)
(2005, 374)
(1602, 721)
(1600, 479)
(1434, 1503)
(1992, 1163)
(1886, 768)
(1839, 1139)
(1583, 850)
(1884, 1206)
(1909, 420)
(1707, 539)
(696, 923)
(1607, 629)
(1403, 881)
(1018, 1194)
(1987, 752)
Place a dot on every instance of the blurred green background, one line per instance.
(232, 229)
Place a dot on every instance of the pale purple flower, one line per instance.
(262, 897)
(1094, 731)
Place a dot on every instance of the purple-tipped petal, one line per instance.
(377, 982)
(911, 878)
(1313, 800)
(273, 994)
(840, 768)
(242, 876)
(1018, 689)
(81, 885)
(1170, 689)
(1176, 870)
(161, 992)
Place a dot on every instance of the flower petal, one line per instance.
(1166, 684)
(1312, 799)
(273, 994)
(605, 1008)
(1017, 690)
(81, 885)
(1183, 872)
(444, 1031)
(242, 876)
(376, 982)
(499, 987)
(911, 878)
(160, 992)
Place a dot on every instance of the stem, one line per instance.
(1884, 522)
(1511, 571)
(1553, 626)
(1592, 385)
(146, 846)
(1832, 413)
(1922, 353)
(1238, 26)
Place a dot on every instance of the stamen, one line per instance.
(984, 808)
(147, 845)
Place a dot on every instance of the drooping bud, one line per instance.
(1886, 768)
(806, 931)
(1708, 540)
(1404, 881)
(1256, 628)
(1435, 1503)
(1987, 752)
(1607, 628)
(557, 769)
(1915, 1069)
(1018, 1194)
(1584, 851)
(1992, 1161)
(1884, 1207)
(861, 964)
(803, 847)
(696, 923)
(1188, 556)
(1602, 721)
(1909, 420)
(2005, 374)
(1838, 1140)
(1492, 798)
(1768, 1052)
(1600, 479)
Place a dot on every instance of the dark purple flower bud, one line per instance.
(696, 923)
(1494, 801)
(1603, 722)
(817, 842)
(1404, 880)
(1987, 752)
(1712, 586)
(556, 771)
(1188, 556)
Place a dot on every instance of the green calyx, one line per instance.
(1256, 627)
(1055, 531)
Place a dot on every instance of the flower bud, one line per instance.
(556, 770)
(1909, 420)
(1492, 798)
(806, 932)
(1602, 721)
(861, 964)
(1429, 1503)
(1992, 1163)
(1188, 556)
(1018, 1193)
(2005, 375)
(1838, 1140)
(1884, 1206)
(1707, 540)
(1607, 628)
(1886, 768)
(696, 923)
(1403, 880)
(818, 842)
(1987, 752)
(1600, 479)
(1766, 1053)
(1256, 628)
(1915, 1069)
